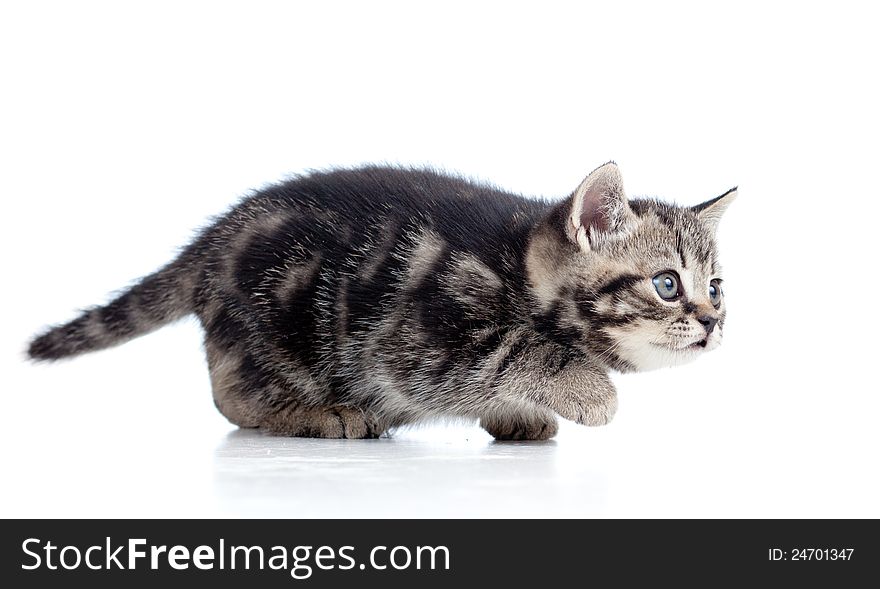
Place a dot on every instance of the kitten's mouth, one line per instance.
(694, 347)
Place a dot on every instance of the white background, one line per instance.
(124, 126)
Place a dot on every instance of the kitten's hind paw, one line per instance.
(323, 422)
(532, 427)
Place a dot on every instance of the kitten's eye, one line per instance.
(715, 292)
(666, 284)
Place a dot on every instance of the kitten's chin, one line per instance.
(645, 356)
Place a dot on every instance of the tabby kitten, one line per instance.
(344, 303)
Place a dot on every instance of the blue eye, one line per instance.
(715, 292)
(666, 285)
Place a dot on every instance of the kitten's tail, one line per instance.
(159, 298)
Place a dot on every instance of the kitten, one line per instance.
(344, 303)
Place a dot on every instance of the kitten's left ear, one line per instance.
(598, 207)
(711, 210)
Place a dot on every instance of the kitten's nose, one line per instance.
(708, 322)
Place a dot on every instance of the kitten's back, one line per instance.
(345, 215)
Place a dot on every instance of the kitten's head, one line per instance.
(637, 283)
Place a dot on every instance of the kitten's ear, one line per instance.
(598, 207)
(711, 210)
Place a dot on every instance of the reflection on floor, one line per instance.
(408, 475)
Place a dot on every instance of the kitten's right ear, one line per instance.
(711, 210)
(598, 207)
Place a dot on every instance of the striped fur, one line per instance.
(344, 303)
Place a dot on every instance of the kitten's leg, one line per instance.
(541, 425)
(322, 422)
(232, 396)
(591, 403)
(247, 407)
(247, 400)
(579, 392)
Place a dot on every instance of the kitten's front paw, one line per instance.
(590, 411)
